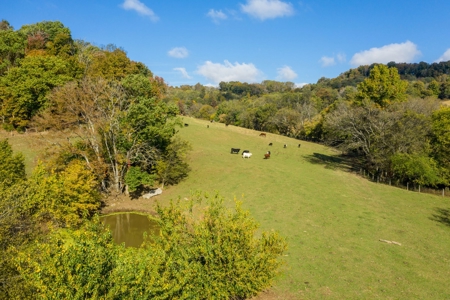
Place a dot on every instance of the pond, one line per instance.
(129, 228)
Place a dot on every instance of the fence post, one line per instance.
(443, 193)
(407, 186)
(419, 188)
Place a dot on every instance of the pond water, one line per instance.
(129, 228)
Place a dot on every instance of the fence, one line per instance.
(410, 186)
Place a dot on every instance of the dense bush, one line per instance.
(201, 253)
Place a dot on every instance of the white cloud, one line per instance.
(286, 73)
(405, 52)
(216, 16)
(178, 52)
(300, 85)
(217, 72)
(327, 61)
(211, 85)
(140, 7)
(183, 72)
(267, 9)
(444, 57)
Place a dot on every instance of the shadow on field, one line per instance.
(330, 162)
(442, 215)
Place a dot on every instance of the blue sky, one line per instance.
(192, 41)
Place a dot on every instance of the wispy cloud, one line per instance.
(404, 52)
(444, 57)
(267, 9)
(341, 57)
(216, 16)
(327, 61)
(140, 8)
(183, 72)
(217, 72)
(286, 73)
(178, 52)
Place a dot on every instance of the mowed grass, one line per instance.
(332, 219)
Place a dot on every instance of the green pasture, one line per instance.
(333, 219)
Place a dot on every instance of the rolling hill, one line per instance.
(333, 219)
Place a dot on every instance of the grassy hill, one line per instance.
(333, 219)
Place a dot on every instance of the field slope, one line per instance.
(332, 219)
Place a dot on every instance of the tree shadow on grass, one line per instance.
(441, 215)
(334, 162)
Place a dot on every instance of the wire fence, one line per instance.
(410, 186)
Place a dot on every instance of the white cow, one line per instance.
(246, 155)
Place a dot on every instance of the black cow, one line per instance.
(299, 145)
(235, 150)
(270, 144)
(285, 146)
(186, 124)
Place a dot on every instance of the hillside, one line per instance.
(332, 219)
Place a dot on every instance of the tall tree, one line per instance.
(115, 130)
(383, 86)
(24, 89)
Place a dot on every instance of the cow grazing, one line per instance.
(262, 134)
(186, 124)
(246, 155)
(285, 146)
(267, 155)
(235, 150)
(270, 144)
(299, 145)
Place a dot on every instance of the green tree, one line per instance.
(135, 178)
(24, 89)
(173, 166)
(417, 168)
(116, 130)
(63, 199)
(12, 166)
(383, 86)
(12, 49)
(75, 265)
(441, 140)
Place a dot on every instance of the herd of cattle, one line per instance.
(247, 153)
